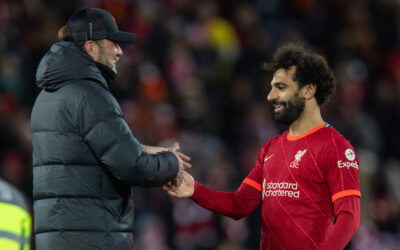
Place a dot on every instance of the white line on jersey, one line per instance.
(266, 158)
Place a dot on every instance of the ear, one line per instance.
(89, 46)
(92, 49)
(309, 90)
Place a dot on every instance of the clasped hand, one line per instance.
(182, 179)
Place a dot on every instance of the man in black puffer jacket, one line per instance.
(85, 158)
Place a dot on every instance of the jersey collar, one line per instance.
(295, 138)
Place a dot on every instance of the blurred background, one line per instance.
(193, 75)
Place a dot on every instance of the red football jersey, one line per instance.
(299, 179)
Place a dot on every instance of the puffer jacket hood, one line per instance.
(65, 63)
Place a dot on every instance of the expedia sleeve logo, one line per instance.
(351, 156)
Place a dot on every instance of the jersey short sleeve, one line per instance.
(342, 168)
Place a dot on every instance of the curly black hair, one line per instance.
(310, 68)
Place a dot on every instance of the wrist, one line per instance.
(196, 190)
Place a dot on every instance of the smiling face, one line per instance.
(109, 53)
(285, 96)
(105, 52)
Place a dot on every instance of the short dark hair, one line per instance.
(310, 68)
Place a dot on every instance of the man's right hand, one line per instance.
(185, 187)
(183, 160)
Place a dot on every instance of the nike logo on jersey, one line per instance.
(266, 158)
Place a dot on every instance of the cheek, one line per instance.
(283, 97)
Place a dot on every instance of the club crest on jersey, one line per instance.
(297, 158)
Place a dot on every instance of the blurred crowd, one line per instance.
(194, 75)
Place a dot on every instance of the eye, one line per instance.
(116, 44)
(281, 87)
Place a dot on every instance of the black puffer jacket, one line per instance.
(85, 158)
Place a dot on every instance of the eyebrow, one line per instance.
(276, 84)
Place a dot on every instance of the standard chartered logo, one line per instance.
(280, 189)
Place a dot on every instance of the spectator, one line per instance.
(15, 219)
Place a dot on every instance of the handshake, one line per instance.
(183, 184)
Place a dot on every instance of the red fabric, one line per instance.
(347, 210)
(305, 181)
(299, 177)
(235, 205)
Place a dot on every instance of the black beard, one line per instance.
(292, 109)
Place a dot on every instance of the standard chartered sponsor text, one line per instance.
(280, 189)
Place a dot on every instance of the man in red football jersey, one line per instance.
(306, 179)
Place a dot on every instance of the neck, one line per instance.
(309, 119)
(106, 72)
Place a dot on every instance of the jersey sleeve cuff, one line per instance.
(346, 193)
(197, 191)
(252, 184)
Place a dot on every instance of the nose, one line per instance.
(272, 95)
(119, 50)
